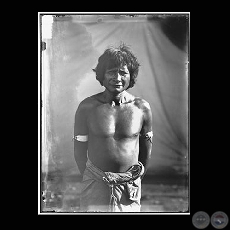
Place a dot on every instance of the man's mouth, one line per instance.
(116, 85)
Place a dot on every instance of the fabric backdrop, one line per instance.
(71, 52)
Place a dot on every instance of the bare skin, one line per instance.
(115, 122)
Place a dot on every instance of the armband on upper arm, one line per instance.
(149, 136)
(81, 138)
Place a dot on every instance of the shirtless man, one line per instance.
(113, 137)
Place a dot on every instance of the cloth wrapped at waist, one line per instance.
(124, 188)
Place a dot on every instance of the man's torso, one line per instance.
(113, 143)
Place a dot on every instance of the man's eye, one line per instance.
(122, 73)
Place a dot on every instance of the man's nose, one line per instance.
(117, 76)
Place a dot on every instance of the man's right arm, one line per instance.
(81, 129)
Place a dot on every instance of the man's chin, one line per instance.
(118, 90)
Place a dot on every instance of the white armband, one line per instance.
(149, 136)
(81, 138)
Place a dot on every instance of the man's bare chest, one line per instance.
(124, 121)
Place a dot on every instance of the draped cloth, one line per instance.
(109, 191)
(67, 79)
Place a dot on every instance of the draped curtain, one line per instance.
(70, 54)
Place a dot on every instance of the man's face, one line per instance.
(117, 79)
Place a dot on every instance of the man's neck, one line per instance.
(118, 99)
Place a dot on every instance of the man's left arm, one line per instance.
(146, 137)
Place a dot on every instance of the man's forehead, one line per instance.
(124, 67)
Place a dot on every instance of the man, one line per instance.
(113, 137)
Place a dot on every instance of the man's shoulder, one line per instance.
(144, 106)
(88, 102)
(142, 103)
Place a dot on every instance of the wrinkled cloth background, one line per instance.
(72, 49)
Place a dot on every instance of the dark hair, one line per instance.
(116, 57)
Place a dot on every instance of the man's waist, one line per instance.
(131, 174)
(116, 161)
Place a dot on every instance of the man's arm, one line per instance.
(145, 139)
(80, 136)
